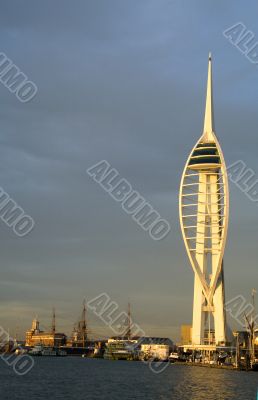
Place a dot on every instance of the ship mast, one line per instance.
(251, 328)
(128, 331)
(84, 324)
(53, 321)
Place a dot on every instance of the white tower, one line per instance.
(203, 209)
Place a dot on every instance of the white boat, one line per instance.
(19, 352)
(36, 350)
(40, 350)
(173, 357)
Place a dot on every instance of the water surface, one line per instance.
(77, 378)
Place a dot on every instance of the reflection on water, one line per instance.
(77, 379)
(203, 383)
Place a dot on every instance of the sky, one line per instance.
(122, 81)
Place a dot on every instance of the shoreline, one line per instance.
(214, 366)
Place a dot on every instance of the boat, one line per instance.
(42, 351)
(120, 350)
(20, 351)
(178, 357)
(36, 351)
(53, 352)
(173, 357)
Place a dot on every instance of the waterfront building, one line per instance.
(35, 336)
(256, 337)
(203, 210)
(121, 348)
(186, 334)
(155, 348)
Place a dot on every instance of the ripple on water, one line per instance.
(79, 379)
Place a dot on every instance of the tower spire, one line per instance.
(208, 129)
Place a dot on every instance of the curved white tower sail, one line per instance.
(203, 209)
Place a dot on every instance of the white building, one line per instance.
(155, 348)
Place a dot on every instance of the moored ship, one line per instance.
(40, 350)
(121, 349)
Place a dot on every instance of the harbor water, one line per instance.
(75, 378)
